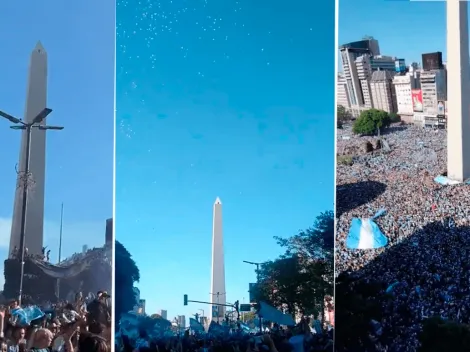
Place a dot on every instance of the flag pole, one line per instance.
(60, 246)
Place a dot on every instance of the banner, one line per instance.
(417, 99)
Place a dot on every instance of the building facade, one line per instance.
(383, 91)
(181, 321)
(163, 313)
(434, 91)
(342, 97)
(404, 84)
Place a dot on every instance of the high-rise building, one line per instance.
(400, 66)
(342, 95)
(181, 320)
(217, 293)
(360, 59)
(432, 61)
(383, 91)
(404, 84)
(434, 90)
(36, 101)
(163, 313)
(349, 53)
(84, 248)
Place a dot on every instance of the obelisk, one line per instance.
(36, 96)
(217, 294)
(458, 91)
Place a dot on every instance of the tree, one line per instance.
(342, 115)
(126, 274)
(371, 121)
(300, 279)
(394, 117)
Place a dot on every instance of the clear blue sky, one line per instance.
(79, 39)
(220, 98)
(405, 29)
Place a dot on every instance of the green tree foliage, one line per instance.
(371, 121)
(126, 274)
(342, 115)
(300, 279)
(394, 117)
(440, 335)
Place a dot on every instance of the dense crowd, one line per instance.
(63, 327)
(424, 270)
(277, 340)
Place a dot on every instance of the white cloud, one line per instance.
(74, 236)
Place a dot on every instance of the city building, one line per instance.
(217, 293)
(342, 97)
(404, 84)
(163, 313)
(181, 321)
(434, 95)
(36, 99)
(383, 91)
(84, 248)
(360, 59)
(383, 63)
(400, 66)
(364, 74)
(432, 61)
(349, 53)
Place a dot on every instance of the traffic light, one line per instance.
(236, 305)
(185, 300)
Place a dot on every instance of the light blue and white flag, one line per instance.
(195, 325)
(24, 316)
(365, 234)
(272, 314)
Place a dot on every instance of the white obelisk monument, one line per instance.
(458, 91)
(217, 294)
(36, 96)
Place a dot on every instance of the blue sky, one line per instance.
(220, 98)
(405, 29)
(79, 39)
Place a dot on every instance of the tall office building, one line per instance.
(404, 84)
(181, 320)
(163, 313)
(432, 61)
(383, 91)
(342, 95)
(434, 90)
(36, 99)
(217, 293)
(349, 53)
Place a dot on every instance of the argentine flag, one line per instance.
(365, 234)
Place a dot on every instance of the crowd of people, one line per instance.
(298, 339)
(64, 327)
(423, 271)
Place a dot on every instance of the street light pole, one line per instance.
(257, 282)
(19, 124)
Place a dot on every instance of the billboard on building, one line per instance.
(417, 99)
(441, 108)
